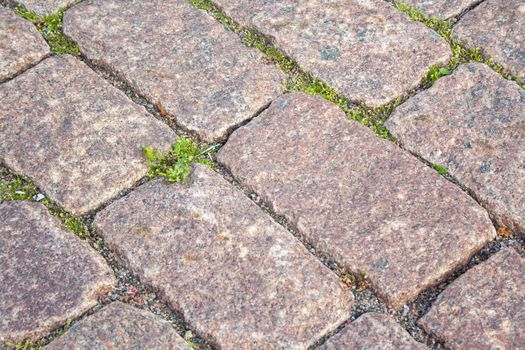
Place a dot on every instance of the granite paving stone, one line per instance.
(498, 28)
(365, 49)
(445, 9)
(359, 199)
(76, 136)
(21, 46)
(178, 57)
(473, 123)
(237, 277)
(373, 331)
(484, 308)
(120, 326)
(47, 274)
(45, 7)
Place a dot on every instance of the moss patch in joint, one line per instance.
(174, 165)
(50, 27)
(19, 188)
(461, 54)
(440, 169)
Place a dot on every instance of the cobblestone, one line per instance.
(48, 275)
(120, 326)
(498, 28)
(373, 331)
(240, 279)
(365, 49)
(473, 123)
(484, 308)
(193, 69)
(21, 46)
(77, 137)
(370, 206)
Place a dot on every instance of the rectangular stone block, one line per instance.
(76, 136)
(361, 200)
(179, 58)
(47, 275)
(21, 45)
(497, 27)
(365, 49)
(373, 331)
(473, 123)
(484, 308)
(237, 277)
(120, 326)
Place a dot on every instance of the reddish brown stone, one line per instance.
(44, 7)
(360, 199)
(193, 68)
(373, 331)
(21, 46)
(444, 9)
(484, 308)
(47, 274)
(365, 49)
(120, 326)
(238, 278)
(74, 134)
(473, 123)
(498, 28)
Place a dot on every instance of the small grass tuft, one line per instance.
(50, 27)
(440, 169)
(174, 165)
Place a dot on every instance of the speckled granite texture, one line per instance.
(120, 326)
(484, 308)
(76, 136)
(47, 274)
(365, 49)
(178, 57)
(235, 275)
(473, 123)
(360, 199)
(373, 331)
(498, 28)
(21, 45)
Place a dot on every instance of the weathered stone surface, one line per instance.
(45, 7)
(120, 326)
(484, 308)
(445, 9)
(365, 49)
(361, 200)
(498, 28)
(47, 275)
(192, 67)
(373, 331)
(239, 278)
(74, 134)
(21, 46)
(472, 122)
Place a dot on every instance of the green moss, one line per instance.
(22, 189)
(461, 54)
(174, 165)
(23, 345)
(440, 169)
(51, 29)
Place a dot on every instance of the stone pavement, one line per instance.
(308, 230)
